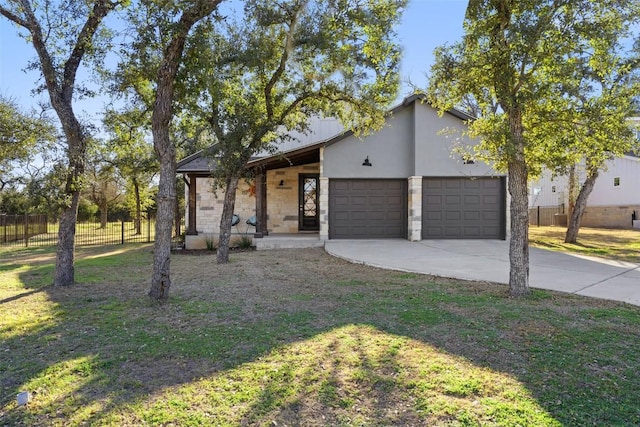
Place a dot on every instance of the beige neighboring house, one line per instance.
(404, 181)
(615, 198)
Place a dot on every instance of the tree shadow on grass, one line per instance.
(298, 337)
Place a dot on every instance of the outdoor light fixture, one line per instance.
(366, 162)
(281, 183)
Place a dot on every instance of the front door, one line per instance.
(308, 218)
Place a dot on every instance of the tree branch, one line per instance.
(13, 17)
(100, 9)
(288, 47)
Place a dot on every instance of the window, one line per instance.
(616, 181)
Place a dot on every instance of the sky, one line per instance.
(425, 25)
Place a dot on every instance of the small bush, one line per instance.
(243, 242)
(212, 244)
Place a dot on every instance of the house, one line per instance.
(611, 204)
(404, 181)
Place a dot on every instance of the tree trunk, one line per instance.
(581, 204)
(65, 270)
(103, 212)
(161, 279)
(138, 220)
(76, 141)
(519, 241)
(164, 148)
(573, 190)
(222, 255)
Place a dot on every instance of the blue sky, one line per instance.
(426, 24)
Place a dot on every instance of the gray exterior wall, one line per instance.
(415, 141)
(390, 150)
(435, 143)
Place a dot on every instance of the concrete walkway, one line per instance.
(488, 260)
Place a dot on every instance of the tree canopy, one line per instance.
(21, 134)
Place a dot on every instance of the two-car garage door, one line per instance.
(452, 208)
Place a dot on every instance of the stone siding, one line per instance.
(282, 200)
(282, 203)
(415, 209)
(609, 216)
(210, 205)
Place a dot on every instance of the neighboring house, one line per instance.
(404, 181)
(612, 203)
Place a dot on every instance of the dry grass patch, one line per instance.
(616, 244)
(296, 337)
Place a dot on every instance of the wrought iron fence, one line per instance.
(14, 228)
(547, 215)
(33, 230)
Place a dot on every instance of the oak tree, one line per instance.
(151, 64)
(63, 34)
(258, 77)
(517, 59)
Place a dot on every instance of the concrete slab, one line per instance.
(488, 260)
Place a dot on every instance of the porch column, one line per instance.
(261, 203)
(323, 206)
(415, 209)
(507, 209)
(191, 223)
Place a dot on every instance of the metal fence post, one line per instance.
(538, 216)
(122, 232)
(26, 230)
(148, 229)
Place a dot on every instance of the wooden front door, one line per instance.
(308, 218)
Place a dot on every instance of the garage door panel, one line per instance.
(472, 199)
(433, 184)
(452, 185)
(433, 200)
(374, 208)
(462, 208)
(452, 215)
(451, 199)
(472, 215)
(490, 216)
(491, 183)
(471, 184)
(432, 215)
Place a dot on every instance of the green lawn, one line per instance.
(295, 337)
(623, 245)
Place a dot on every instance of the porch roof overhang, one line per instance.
(198, 164)
(299, 156)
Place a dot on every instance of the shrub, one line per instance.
(212, 244)
(242, 242)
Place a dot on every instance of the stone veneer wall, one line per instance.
(609, 216)
(209, 207)
(282, 201)
(415, 209)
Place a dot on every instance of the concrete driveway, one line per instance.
(488, 260)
